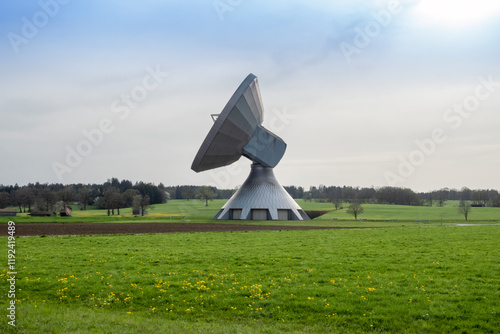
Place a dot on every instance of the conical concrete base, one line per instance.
(261, 197)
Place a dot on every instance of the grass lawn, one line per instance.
(439, 279)
(195, 210)
(405, 212)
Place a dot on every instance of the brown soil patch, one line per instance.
(37, 229)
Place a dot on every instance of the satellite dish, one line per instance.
(238, 131)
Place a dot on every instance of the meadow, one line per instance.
(431, 279)
(196, 211)
(403, 277)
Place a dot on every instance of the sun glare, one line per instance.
(457, 13)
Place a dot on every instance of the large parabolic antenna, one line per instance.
(238, 131)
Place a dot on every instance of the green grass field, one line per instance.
(406, 277)
(412, 280)
(194, 210)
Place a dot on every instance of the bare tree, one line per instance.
(464, 208)
(118, 200)
(465, 193)
(335, 200)
(188, 193)
(112, 199)
(348, 194)
(25, 197)
(495, 201)
(206, 194)
(128, 197)
(4, 199)
(479, 197)
(164, 194)
(46, 199)
(18, 197)
(430, 198)
(355, 209)
(66, 195)
(85, 196)
(141, 203)
(440, 196)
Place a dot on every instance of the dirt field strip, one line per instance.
(37, 229)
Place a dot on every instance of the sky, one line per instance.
(365, 93)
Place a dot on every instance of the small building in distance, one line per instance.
(8, 212)
(65, 212)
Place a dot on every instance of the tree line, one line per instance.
(114, 194)
(398, 195)
(111, 195)
(189, 192)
